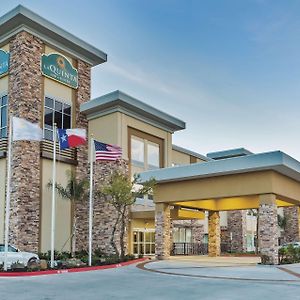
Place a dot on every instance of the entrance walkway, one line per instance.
(232, 268)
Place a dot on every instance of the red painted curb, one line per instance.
(73, 270)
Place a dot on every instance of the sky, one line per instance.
(230, 69)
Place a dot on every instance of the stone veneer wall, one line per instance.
(104, 213)
(292, 230)
(82, 95)
(162, 230)
(25, 101)
(268, 233)
(214, 234)
(236, 225)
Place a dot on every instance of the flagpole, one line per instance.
(53, 196)
(7, 205)
(91, 199)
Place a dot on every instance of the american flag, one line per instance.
(107, 152)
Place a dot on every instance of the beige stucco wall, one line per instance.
(63, 208)
(106, 129)
(179, 158)
(2, 196)
(113, 129)
(198, 160)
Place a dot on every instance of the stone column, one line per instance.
(82, 95)
(268, 229)
(236, 226)
(292, 230)
(25, 101)
(214, 234)
(162, 230)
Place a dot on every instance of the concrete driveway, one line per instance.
(134, 283)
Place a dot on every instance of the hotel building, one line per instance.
(45, 78)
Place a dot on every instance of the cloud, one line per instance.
(132, 73)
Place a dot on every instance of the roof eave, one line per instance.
(119, 101)
(21, 18)
(276, 161)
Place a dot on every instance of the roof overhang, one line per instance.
(118, 101)
(274, 161)
(22, 19)
(230, 184)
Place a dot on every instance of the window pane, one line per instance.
(67, 122)
(11, 249)
(134, 236)
(188, 235)
(153, 155)
(48, 135)
(141, 247)
(4, 100)
(141, 236)
(4, 132)
(152, 248)
(137, 151)
(147, 237)
(48, 117)
(147, 249)
(49, 102)
(67, 109)
(58, 119)
(58, 106)
(4, 116)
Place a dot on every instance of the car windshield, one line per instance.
(10, 248)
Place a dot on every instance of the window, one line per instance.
(182, 235)
(137, 152)
(145, 154)
(56, 112)
(153, 155)
(144, 241)
(3, 116)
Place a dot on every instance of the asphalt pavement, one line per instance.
(134, 283)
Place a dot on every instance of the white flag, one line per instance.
(25, 130)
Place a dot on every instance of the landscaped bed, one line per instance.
(72, 270)
(66, 263)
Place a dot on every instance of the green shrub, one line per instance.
(289, 255)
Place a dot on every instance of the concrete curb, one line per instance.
(73, 270)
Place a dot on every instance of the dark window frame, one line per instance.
(58, 108)
(3, 108)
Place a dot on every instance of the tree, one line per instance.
(75, 191)
(282, 221)
(121, 193)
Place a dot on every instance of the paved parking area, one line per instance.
(134, 283)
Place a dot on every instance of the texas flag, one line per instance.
(71, 137)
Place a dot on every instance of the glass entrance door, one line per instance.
(143, 241)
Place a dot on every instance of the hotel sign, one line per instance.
(4, 62)
(59, 68)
